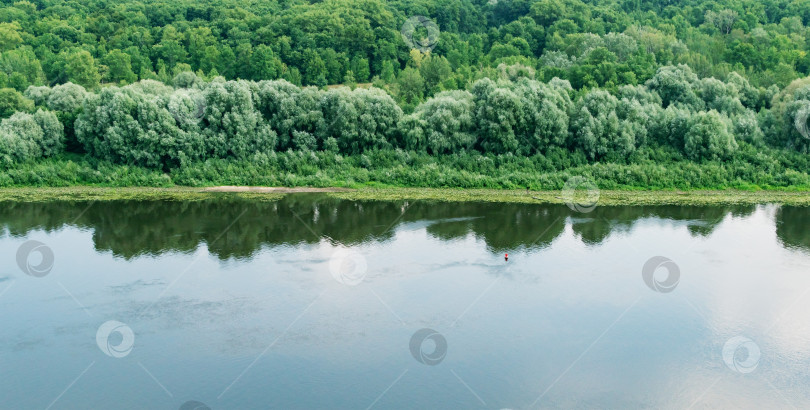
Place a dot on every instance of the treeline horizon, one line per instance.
(592, 43)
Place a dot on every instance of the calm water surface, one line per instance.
(313, 302)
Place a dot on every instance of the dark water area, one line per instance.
(315, 302)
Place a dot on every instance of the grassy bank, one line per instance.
(606, 198)
(385, 175)
(412, 170)
(88, 193)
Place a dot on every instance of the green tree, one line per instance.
(544, 120)
(675, 85)
(119, 67)
(387, 74)
(23, 66)
(360, 68)
(10, 36)
(80, 68)
(444, 124)
(12, 101)
(411, 86)
(435, 70)
(133, 125)
(497, 115)
(349, 81)
(314, 68)
(709, 138)
(25, 136)
(264, 64)
(360, 120)
(170, 48)
(597, 129)
(234, 125)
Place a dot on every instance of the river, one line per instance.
(315, 302)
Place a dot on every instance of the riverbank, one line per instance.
(399, 169)
(606, 197)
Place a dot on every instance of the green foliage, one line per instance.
(150, 124)
(788, 121)
(12, 101)
(597, 129)
(53, 133)
(25, 137)
(497, 111)
(80, 68)
(676, 85)
(544, 119)
(709, 137)
(359, 120)
(591, 44)
(442, 125)
(66, 98)
(119, 67)
(411, 86)
(671, 125)
(753, 168)
(289, 109)
(533, 86)
(234, 128)
(132, 125)
(746, 128)
(435, 71)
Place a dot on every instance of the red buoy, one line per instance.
(506, 257)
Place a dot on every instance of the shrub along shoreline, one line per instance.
(631, 95)
(677, 131)
(154, 125)
(401, 169)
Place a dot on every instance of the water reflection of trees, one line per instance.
(596, 226)
(792, 227)
(238, 227)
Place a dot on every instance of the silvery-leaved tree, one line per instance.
(597, 130)
(709, 137)
(25, 137)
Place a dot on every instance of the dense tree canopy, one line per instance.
(605, 43)
(151, 124)
(166, 84)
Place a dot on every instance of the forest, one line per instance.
(445, 93)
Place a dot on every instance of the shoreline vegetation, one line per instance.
(479, 96)
(606, 197)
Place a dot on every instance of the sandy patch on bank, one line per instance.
(277, 190)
